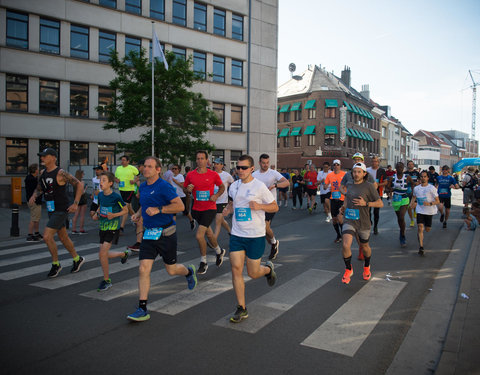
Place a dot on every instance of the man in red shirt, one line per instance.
(201, 183)
(310, 178)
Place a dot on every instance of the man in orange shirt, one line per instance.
(333, 180)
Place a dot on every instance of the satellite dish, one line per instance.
(292, 67)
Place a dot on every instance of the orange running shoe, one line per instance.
(360, 255)
(347, 275)
(366, 273)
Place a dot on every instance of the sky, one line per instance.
(414, 55)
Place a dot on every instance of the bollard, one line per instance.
(14, 230)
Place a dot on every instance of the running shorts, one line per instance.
(363, 235)
(127, 195)
(56, 219)
(447, 202)
(425, 220)
(253, 247)
(165, 246)
(204, 218)
(324, 196)
(109, 236)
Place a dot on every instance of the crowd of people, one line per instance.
(152, 197)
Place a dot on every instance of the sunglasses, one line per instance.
(242, 167)
(336, 164)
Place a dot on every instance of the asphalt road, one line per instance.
(309, 322)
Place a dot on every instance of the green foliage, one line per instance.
(182, 117)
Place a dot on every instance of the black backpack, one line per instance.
(472, 183)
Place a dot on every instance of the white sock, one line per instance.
(203, 259)
(273, 241)
(218, 250)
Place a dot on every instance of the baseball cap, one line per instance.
(218, 161)
(98, 167)
(361, 166)
(358, 155)
(48, 151)
(336, 161)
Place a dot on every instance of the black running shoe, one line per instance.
(444, 225)
(272, 276)
(274, 250)
(54, 271)
(123, 260)
(442, 216)
(76, 265)
(30, 238)
(375, 230)
(421, 252)
(220, 256)
(239, 315)
(202, 268)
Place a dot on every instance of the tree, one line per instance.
(182, 117)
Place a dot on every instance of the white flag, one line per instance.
(157, 50)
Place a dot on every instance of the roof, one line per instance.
(431, 139)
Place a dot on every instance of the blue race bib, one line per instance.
(105, 210)
(50, 206)
(352, 214)
(420, 201)
(203, 195)
(243, 214)
(443, 191)
(121, 184)
(309, 183)
(295, 185)
(377, 180)
(152, 233)
(336, 195)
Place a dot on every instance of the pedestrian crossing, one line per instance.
(343, 332)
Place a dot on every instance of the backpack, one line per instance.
(472, 183)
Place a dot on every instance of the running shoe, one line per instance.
(412, 223)
(403, 241)
(37, 237)
(375, 230)
(192, 279)
(193, 225)
(220, 256)
(54, 271)
(294, 208)
(76, 265)
(338, 240)
(125, 257)
(202, 268)
(421, 251)
(442, 217)
(315, 206)
(82, 232)
(140, 315)
(360, 255)
(272, 276)
(328, 219)
(30, 238)
(239, 315)
(74, 232)
(135, 247)
(310, 211)
(444, 225)
(274, 250)
(347, 275)
(104, 285)
(366, 273)
(414, 214)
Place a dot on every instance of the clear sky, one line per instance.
(415, 55)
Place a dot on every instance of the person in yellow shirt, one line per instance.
(126, 176)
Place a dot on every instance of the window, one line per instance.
(106, 153)
(17, 156)
(311, 140)
(200, 64)
(312, 113)
(329, 139)
(278, 142)
(79, 41)
(78, 153)
(237, 72)
(17, 93)
(133, 6)
(44, 143)
(49, 36)
(215, 154)
(297, 141)
(109, 3)
(383, 132)
(78, 100)
(219, 22)
(105, 97)
(49, 97)
(298, 115)
(279, 117)
(132, 44)
(17, 30)
(180, 53)
(236, 118)
(218, 69)
(179, 12)
(219, 109)
(157, 9)
(107, 42)
(330, 112)
(237, 27)
(286, 141)
(234, 156)
(286, 117)
(200, 17)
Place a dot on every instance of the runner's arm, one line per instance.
(282, 183)
(228, 209)
(221, 190)
(267, 207)
(77, 185)
(176, 205)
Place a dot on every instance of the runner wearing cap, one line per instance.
(380, 177)
(360, 197)
(348, 178)
(333, 181)
(445, 184)
(126, 176)
(222, 200)
(416, 181)
(325, 192)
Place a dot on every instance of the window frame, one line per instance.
(133, 8)
(328, 113)
(297, 141)
(312, 113)
(79, 151)
(14, 40)
(237, 18)
(219, 107)
(237, 65)
(219, 14)
(216, 65)
(202, 9)
(15, 102)
(132, 44)
(311, 140)
(156, 13)
(79, 50)
(107, 151)
(48, 24)
(179, 19)
(47, 88)
(180, 53)
(236, 127)
(9, 147)
(331, 139)
(108, 3)
(286, 142)
(197, 58)
(297, 115)
(103, 35)
(82, 110)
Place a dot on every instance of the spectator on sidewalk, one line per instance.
(31, 182)
(469, 182)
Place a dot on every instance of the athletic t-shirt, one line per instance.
(204, 184)
(334, 180)
(322, 176)
(109, 203)
(415, 176)
(180, 179)
(368, 192)
(246, 222)
(428, 194)
(168, 175)
(444, 183)
(158, 194)
(268, 178)
(227, 179)
(310, 180)
(125, 175)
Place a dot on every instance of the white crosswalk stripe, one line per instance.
(22, 249)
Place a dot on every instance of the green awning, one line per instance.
(356, 134)
(285, 108)
(362, 112)
(296, 131)
(348, 106)
(296, 106)
(354, 108)
(364, 136)
(331, 103)
(370, 138)
(349, 134)
(310, 104)
(331, 130)
(309, 130)
(284, 132)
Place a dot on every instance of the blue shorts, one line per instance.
(253, 247)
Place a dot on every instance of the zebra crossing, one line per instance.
(343, 332)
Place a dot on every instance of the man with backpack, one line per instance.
(469, 183)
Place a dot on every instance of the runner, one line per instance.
(297, 189)
(425, 201)
(159, 203)
(415, 176)
(310, 179)
(332, 182)
(136, 206)
(111, 208)
(432, 175)
(390, 173)
(31, 183)
(360, 197)
(177, 183)
(222, 200)
(380, 177)
(348, 178)
(272, 179)
(53, 183)
(398, 184)
(95, 190)
(445, 184)
(325, 193)
(126, 176)
(201, 182)
(251, 200)
(283, 192)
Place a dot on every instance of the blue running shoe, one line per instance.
(104, 285)
(403, 241)
(192, 279)
(140, 315)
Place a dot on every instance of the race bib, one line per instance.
(95, 199)
(50, 206)
(397, 197)
(352, 214)
(203, 195)
(243, 214)
(443, 191)
(152, 233)
(105, 210)
(309, 183)
(377, 180)
(420, 201)
(295, 185)
(336, 195)
(215, 189)
(121, 184)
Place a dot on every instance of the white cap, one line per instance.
(336, 161)
(361, 166)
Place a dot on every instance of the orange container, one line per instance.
(16, 187)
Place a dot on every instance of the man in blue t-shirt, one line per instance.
(159, 203)
(445, 183)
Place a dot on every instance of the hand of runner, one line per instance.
(110, 216)
(72, 208)
(359, 201)
(227, 210)
(152, 211)
(32, 199)
(213, 198)
(190, 188)
(135, 217)
(254, 205)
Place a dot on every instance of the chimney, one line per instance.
(365, 91)
(346, 76)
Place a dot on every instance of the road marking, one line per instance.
(346, 330)
(270, 306)
(22, 249)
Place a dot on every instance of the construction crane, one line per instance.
(474, 103)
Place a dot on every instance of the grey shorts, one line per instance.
(468, 196)
(363, 235)
(56, 219)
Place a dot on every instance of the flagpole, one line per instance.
(153, 94)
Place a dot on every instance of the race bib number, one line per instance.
(336, 195)
(309, 183)
(152, 233)
(104, 211)
(443, 191)
(243, 214)
(397, 197)
(50, 206)
(352, 214)
(121, 184)
(295, 185)
(215, 189)
(203, 195)
(420, 201)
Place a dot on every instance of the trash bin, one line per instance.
(16, 188)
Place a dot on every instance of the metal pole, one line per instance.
(14, 230)
(153, 96)
(248, 78)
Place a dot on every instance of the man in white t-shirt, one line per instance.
(222, 201)
(425, 201)
(177, 182)
(250, 201)
(325, 191)
(168, 175)
(272, 179)
(95, 189)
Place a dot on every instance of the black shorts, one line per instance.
(447, 202)
(109, 236)
(56, 219)
(127, 195)
(83, 200)
(324, 196)
(166, 247)
(94, 207)
(269, 216)
(425, 220)
(187, 209)
(311, 192)
(204, 218)
(220, 207)
(283, 190)
(335, 205)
